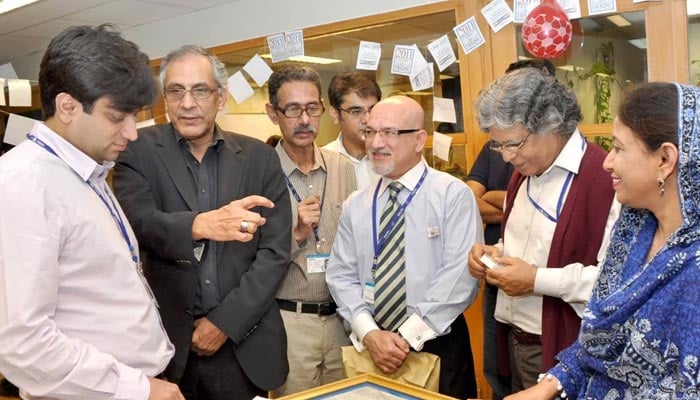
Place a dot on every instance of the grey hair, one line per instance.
(219, 69)
(529, 98)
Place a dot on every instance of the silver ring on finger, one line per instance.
(244, 226)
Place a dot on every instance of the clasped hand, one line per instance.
(387, 349)
(224, 224)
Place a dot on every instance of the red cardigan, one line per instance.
(577, 238)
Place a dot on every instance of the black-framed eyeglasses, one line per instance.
(198, 93)
(295, 110)
(369, 133)
(356, 112)
(511, 147)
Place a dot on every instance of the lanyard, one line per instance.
(112, 209)
(560, 202)
(379, 243)
(539, 208)
(323, 196)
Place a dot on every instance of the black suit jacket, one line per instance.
(156, 192)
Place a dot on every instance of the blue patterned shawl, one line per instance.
(640, 336)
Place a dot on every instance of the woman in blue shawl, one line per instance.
(639, 336)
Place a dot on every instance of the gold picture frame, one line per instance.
(366, 386)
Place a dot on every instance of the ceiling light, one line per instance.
(639, 43)
(308, 59)
(618, 20)
(9, 5)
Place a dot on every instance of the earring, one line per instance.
(661, 183)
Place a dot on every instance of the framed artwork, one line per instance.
(369, 387)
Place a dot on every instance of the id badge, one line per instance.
(317, 263)
(368, 293)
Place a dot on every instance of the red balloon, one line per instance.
(547, 30)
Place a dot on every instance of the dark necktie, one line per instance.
(390, 278)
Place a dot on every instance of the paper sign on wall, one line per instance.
(469, 35)
(441, 50)
(444, 110)
(258, 69)
(278, 47)
(20, 91)
(368, 56)
(239, 87)
(17, 129)
(441, 145)
(497, 14)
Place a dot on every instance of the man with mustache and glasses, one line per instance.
(211, 212)
(318, 181)
(398, 269)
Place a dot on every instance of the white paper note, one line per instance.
(441, 50)
(602, 7)
(402, 61)
(497, 14)
(239, 87)
(441, 145)
(368, 56)
(20, 91)
(419, 62)
(444, 110)
(469, 35)
(424, 79)
(258, 69)
(295, 43)
(278, 47)
(2, 92)
(17, 129)
(521, 8)
(7, 71)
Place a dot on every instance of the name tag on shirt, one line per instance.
(368, 293)
(317, 263)
(433, 231)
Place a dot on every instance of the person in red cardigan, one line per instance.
(558, 213)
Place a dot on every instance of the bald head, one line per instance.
(401, 109)
(393, 155)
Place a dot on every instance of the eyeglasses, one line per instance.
(295, 110)
(199, 93)
(511, 147)
(368, 133)
(356, 112)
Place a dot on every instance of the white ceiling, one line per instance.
(29, 29)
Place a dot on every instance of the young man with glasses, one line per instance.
(319, 181)
(398, 269)
(559, 211)
(352, 96)
(211, 212)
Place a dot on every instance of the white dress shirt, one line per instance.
(528, 235)
(442, 224)
(76, 316)
(363, 166)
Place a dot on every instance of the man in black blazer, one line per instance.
(211, 213)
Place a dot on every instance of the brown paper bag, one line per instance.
(419, 369)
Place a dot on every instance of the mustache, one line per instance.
(305, 128)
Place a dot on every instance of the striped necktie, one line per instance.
(390, 279)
